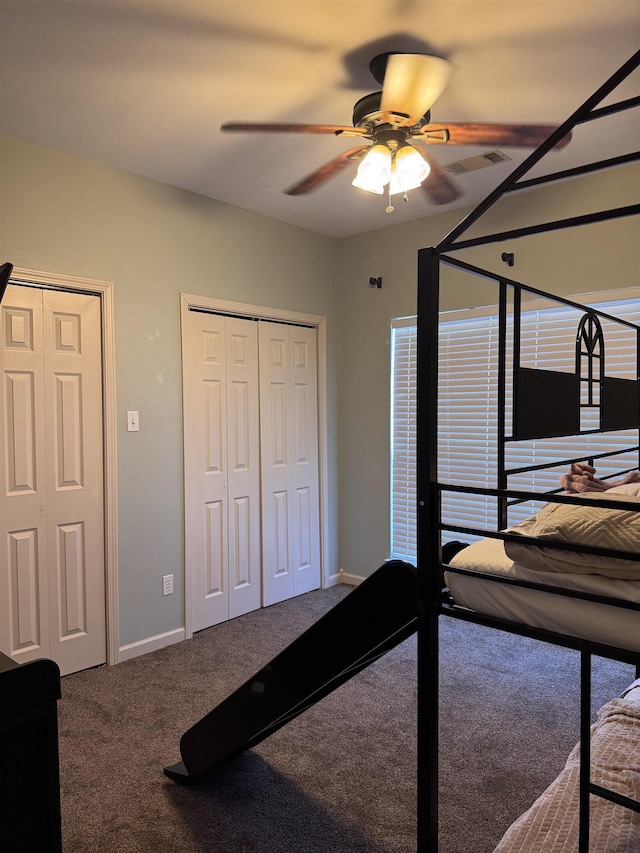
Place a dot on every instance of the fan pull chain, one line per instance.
(390, 208)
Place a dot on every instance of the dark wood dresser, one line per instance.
(29, 778)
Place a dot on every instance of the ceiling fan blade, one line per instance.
(437, 185)
(333, 167)
(509, 135)
(412, 83)
(283, 127)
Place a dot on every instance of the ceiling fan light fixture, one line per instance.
(375, 170)
(400, 116)
(410, 166)
(378, 189)
(396, 185)
(408, 170)
(412, 83)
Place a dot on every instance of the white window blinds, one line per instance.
(467, 410)
(404, 341)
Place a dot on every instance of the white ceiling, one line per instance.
(144, 85)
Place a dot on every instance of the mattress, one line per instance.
(601, 623)
(584, 523)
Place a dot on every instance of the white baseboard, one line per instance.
(159, 641)
(150, 644)
(344, 577)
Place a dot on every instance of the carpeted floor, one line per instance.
(341, 777)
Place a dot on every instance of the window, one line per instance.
(467, 413)
(404, 341)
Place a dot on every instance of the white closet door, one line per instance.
(206, 437)
(52, 597)
(24, 589)
(305, 515)
(289, 450)
(75, 493)
(221, 426)
(243, 466)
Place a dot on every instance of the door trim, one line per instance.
(103, 289)
(260, 312)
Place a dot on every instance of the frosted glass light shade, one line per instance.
(375, 170)
(408, 171)
(395, 186)
(378, 189)
(412, 83)
(410, 166)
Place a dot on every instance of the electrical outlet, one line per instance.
(167, 584)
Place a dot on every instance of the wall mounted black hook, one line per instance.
(507, 257)
(376, 282)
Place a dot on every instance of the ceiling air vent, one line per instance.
(480, 161)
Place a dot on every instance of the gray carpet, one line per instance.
(341, 777)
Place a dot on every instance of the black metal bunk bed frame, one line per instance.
(432, 603)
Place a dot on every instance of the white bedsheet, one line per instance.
(577, 618)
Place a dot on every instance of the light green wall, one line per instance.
(566, 262)
(65, 215)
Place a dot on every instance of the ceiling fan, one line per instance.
(397, 121)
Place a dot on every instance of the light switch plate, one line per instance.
(133, 422)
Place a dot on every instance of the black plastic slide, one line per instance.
(373, 618)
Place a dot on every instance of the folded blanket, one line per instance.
(617, 529)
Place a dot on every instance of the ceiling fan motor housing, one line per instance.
(367, 111)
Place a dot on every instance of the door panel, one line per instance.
(75, 488)
(275, 416)
(20, 400)
(27, 619)
(24, 592)
(305, 524)
(243, 475)
(214, 433)
(221, 383)
(215, 562)
(207, 468)
(72, 587)
(52, 563)
(289, 441)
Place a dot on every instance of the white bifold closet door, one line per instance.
(289, 448)
(251, 478)
(52, 586)
(223, 459)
